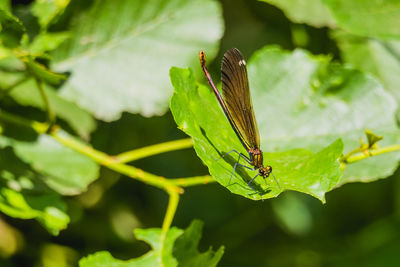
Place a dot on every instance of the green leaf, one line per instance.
(185, 250)
(318, 102)
(27, 94)
(121, 52)
(155, 257)
(373, 18)
(312, 12)
(47, 11)
(300, 101)
(22, 196)
(41, 72)
(5, 53)
(11, 29)
(175, 252)
(381, 59)
(45, 42)
(64, 170)
(298, 169)
(5, 5)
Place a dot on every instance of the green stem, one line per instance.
(191, 181)
(153, 150)
(51, 116)
(357, 150)
(172, 186)
(370, 153)
(169, 216)
(109, 162)
(38, 127)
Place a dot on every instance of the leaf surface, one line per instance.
(312, 12)
(183, 247)
(302, 102)
(372, 18)
(24, 196)
(121, 52)
(64, 170)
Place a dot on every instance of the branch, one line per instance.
(153, 150)
(172, 186)
(169, 216)
(191, 181)
(372, 152)
(51, 116)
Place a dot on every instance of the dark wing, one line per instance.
(235, 88)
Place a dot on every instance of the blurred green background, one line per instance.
(358, 226)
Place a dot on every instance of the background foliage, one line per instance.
(83, 80)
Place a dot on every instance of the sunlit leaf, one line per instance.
(380, 58)
(373, 18)
(306, 101)
(47, 41)
(300, 101)
(312, 12)
(47, 11)
(122, 50)
(27, 94)
(298, 169)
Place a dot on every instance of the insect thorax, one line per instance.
(256, 157)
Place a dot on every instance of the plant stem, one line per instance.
(373, 152)
(357, 150)
(51, 116)
(191, 181)
(109, 162)
(153, 150)
(172, 186)
(169, 215)
(38, 127)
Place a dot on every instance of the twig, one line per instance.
(153, 150)
(371, 152)
(51, 116)
(172, 186)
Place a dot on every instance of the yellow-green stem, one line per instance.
(153, 150)
(372, 152)
(191, 181)
(51, 116)
(169, 215)
(172, 186)
(107, 161)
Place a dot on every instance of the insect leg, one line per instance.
(251, 181)
(240, 154)
(275, 180)
(234, 168)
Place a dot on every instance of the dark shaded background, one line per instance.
(358, 226)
